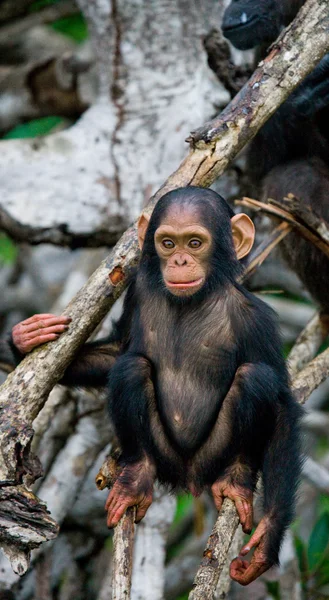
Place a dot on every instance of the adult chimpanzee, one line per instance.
(291, 152)
(251, 23)
(199, 394)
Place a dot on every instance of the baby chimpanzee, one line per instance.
(199, 394)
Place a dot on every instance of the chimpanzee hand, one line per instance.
(38, 330)
(241, 570)
(242, 498)
(133, 487)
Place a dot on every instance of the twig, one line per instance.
(311, 377)
(232, 76)
(212, 148)
(257, 256)
(215, 554)
(123, 539)
(312, 229)
(306, 345)
(123, 545)
(225, 581)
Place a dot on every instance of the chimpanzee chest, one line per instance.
(195, 364)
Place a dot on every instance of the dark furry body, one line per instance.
(199, 390)
(291, 152)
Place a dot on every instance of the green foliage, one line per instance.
(313, 558)
(318, 542)
(33, 128)
(184, 502)
(39, 4)
(273, 589)
(74, 27)
(8, 250)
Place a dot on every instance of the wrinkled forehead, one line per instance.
(182, 215)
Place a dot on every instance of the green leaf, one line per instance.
(33, 128)
(74, 27)
(184, 502)
(273, 588)
(318, 542)
(8, 250)
(39, 4)
(301, 553)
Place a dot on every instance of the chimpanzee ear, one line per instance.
(243, 232)
(142, 226)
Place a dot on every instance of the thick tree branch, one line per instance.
(215, 554)
(57, 235)
(213, 147)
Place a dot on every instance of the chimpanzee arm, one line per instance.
(292, 132)
(8, 359)
(281, 473)
(92, 364)
(89, 368)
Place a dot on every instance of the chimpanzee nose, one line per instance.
(180, 261)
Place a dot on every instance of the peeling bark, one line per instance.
(215, 554)
(213, 146)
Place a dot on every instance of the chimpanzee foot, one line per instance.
(241, 496)
(133, 487)
(243, 571)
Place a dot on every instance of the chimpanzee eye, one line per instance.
(168, 244)
(194, 244)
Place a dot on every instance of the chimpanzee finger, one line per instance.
(142, 509)
(31, 335)
(240, 507)
(26, 347)
(237, 567)
(255, 539)
(43, 322)
(249, 517)
(218, 499)
(244, 572)
(111, 497)
(114, 515)
(36, 317)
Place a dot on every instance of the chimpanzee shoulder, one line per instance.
(257, 328)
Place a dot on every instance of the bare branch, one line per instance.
(213, 147)
(306, 345)
(300, 217)
(215, 554)
(58, 235)
(123, 546)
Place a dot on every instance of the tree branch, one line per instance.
(212, 148)
(57, 235)
(298, 216)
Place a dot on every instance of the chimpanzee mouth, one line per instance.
(184, 284)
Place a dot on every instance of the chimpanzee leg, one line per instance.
(137, 424)
(128, 382)
(231, 457)
(281, 469)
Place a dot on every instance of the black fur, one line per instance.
(199, 386)
(291, 152)
(215, 361)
